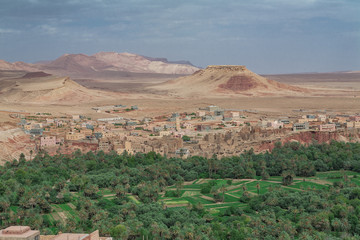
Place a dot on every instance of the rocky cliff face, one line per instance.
(260, 140)
(229, 68)
(310, 137)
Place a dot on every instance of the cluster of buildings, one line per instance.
(25, 233)
(177, 134)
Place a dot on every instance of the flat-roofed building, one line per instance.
(86, 131)
(353, 124)
(165, 133)
(19, 233)
(275, 124)
(48, 141)
(212, 108)
(74, 136)
(327, 127)
(284, 121)
(301, 126)
(235, 114)
(355, 118)
(321, 117)
(200, 113)
(78, 236)
(104, 145)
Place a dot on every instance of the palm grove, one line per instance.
(33, 187)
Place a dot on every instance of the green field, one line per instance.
(62, 212)
(190, 193)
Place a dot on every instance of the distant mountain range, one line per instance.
(81, 64)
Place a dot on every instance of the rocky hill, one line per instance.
(226, 80)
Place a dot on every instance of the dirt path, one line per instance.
(71, 205)
(234, 187)
(189, 189)
(232, 195)
(176, 205)
(214, 208)
(271, 181)
(240, 185)
(189, 183)
(62, 216)
(109, 195)
(219, 203)
(207, 198)
(321, 182)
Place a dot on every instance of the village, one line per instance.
(208, 131)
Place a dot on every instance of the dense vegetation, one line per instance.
(31, 191)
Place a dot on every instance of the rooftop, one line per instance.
(18, 231)
(70, 236)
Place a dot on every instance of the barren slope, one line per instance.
(227, 80)
(75, 63)
(44, 89)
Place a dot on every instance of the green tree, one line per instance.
(119, 232)
(287, 178)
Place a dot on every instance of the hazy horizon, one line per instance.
(268, 36)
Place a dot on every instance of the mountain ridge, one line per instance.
(75, 64)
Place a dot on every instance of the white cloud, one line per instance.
(48, 29)
(8, 31)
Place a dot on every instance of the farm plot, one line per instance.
(230, 191)
(191, 194)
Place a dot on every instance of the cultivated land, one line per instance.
(190, 194)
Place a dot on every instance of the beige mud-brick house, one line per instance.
(73, 136)
(19, 233)
(49, 141)
(80, 236)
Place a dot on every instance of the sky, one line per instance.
(268, 36)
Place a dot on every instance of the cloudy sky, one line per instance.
(268, 36)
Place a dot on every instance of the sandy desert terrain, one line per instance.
(336, 80)
(156, 94)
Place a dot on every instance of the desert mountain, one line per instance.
(40, 87)
(17, 66)
(84, 65)
(226, 80)
(74, 63)
(135, 63)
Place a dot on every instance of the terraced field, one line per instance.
(62, 212)
(231, 190)
(190, 192)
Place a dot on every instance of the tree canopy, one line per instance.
(28, 190)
